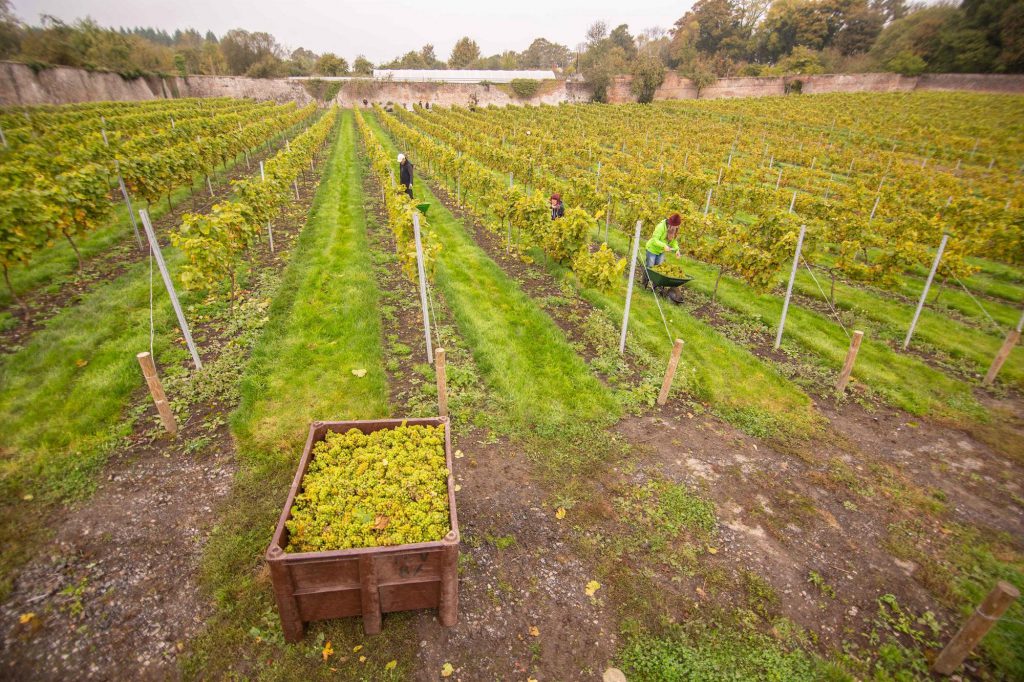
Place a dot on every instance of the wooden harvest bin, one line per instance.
(368, 581)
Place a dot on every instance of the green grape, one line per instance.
(381, 489)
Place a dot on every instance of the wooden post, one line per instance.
(927, 286)
(629, 287)
(448, 608)
(707, 202)
(1004, 352)
(156, 389)
(670, 373)
(977, 626)
(442, 382)
(778, 180)
(158, 255)
(370, 594)
(423, 284)
(789, 288)
(851, 357)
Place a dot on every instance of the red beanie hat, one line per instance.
(674, 220)
(556, 196)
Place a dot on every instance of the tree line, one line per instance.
(715, 38)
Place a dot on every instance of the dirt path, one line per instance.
(115, 595)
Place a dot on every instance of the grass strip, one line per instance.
(324, 322)
(523, 355)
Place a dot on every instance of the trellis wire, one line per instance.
(828, 302)
(978, 303)
(647, 274)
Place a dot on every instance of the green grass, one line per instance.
(62, 396)
(324, 322)
(523, 355)
(738, 386)
(974, 347)
(702, 653)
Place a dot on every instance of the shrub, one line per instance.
(906, 63)
(525, 88)
(600, 269)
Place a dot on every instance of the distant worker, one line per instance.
(665, 237)
(557, 207)
(405, 174)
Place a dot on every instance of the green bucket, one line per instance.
(423, 208)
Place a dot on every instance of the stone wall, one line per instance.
(676, 87)
(21, 85)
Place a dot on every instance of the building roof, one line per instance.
(459, 75)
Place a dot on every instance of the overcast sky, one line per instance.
(380, 29)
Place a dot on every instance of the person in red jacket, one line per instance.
(557, 207)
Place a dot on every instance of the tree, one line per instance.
(648, 75)
(621, 37)
(268, 66)
(301, 62)
(862, 25)
(242, 50)
(543, 54)
(599, 64)
(597, 32)
(330, 64)
(465, 52)
(430, 57)
(362, 66)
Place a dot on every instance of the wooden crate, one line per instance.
(366, 581)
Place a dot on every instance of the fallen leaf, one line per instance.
(447, 669)
(458, 454)
(531, 679)
(592, 587)
(26, 618)
(560, 514)
(328, 651)
(357, 648)
(362, 659)
(390, 665)
(712, 550)
(381, 522)
(534, 631)
(359, 373)
(27, 498)
(81, 363)
(458, 487)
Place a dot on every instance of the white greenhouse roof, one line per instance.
(459, 75)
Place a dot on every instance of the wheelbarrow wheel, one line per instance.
(675, 294)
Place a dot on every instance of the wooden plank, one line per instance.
(851, 357)
(1004, 352)
(156, 389)
(666, 384)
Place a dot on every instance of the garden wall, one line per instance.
(21, 84)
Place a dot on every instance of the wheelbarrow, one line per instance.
(667, 286)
